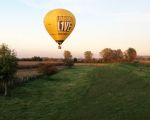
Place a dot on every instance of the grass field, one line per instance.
(106, 92)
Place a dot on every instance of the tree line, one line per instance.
(106, 55)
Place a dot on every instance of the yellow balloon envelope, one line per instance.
(59, 23)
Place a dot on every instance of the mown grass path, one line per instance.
(108, 92)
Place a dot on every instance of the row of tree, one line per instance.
(110, 55)
(35, 58)
(106, 55)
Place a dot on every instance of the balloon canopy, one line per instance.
(59, 23)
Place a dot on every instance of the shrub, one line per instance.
(136, 61)
(47, 69)
(69, 63)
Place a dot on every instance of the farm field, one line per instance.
(23, 63)
(30, 68)
(145, 61)
(27, 73)
(105, 92)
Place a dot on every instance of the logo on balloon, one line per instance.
(64, 23)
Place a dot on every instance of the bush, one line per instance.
(69, 63)
(136, 61)
(47, 69)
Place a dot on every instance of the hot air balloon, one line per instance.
(59, 23)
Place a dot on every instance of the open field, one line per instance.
(35, 64)
(29, 68)
(27, 73)
(107, 92)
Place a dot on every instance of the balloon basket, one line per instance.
(59, 47)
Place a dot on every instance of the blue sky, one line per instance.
(99, 24)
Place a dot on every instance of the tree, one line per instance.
(36, 58)
(88, 56)
(47, 69)
(8, 66)
(114, 56)
(130, 54)
(67, 55)
(68, 58)
(107, 54)
(75, 60)
(117, 55)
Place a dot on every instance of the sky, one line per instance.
(99, 24)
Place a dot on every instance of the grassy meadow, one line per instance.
(83, 92)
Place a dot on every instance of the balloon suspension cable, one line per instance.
(59, 47)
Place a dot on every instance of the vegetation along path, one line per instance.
(108, 92)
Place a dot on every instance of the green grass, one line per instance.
(109, 92)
